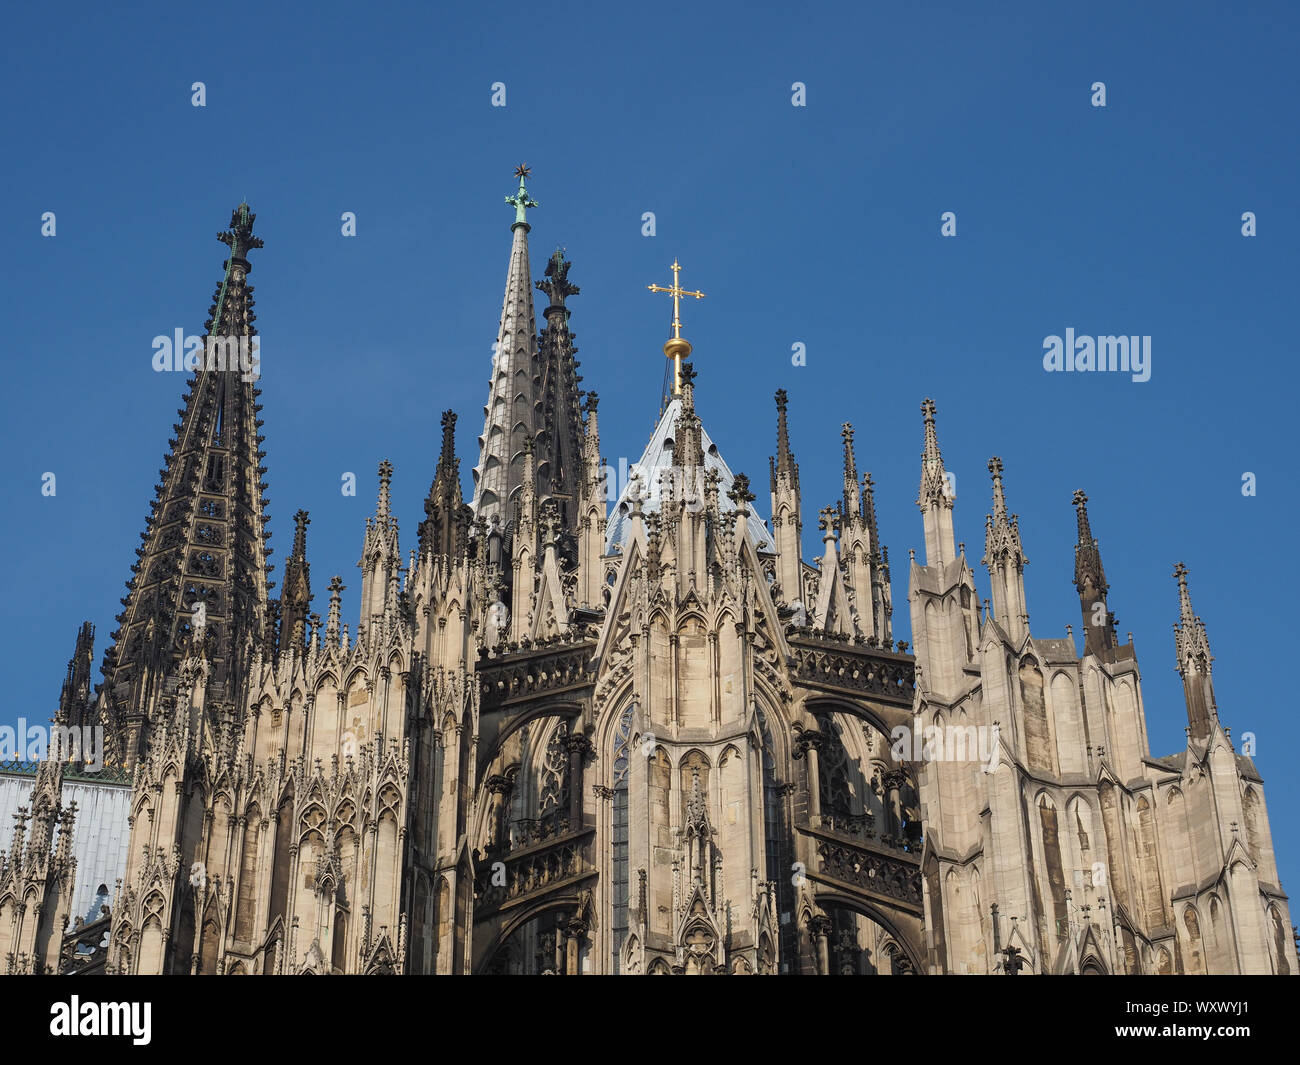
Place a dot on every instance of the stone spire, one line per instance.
(381, 554)
(1002, 531)
(205, 538)
(882, 604)
(1192, 645)
(857, 547)
(514, 403)
(869, 514)
(333, 620)
(783, 465)
(852, 498)
(295, 597)
(1090, 582)
(592, 516)
(560, 429)
(75, 696)
(787, 520)
(383, 509)
(689, 444)
(936, 496)
(525, 547)
(445, 515)
(1005, 559)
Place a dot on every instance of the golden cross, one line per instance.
(677, 292)
(676, 348)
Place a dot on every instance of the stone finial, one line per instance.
(740, 493)
(385, 480)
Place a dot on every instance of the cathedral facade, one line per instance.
(646, 738)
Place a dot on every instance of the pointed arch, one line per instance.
(246, 904)
(1040, 742)
(210, 941)
(1195, 952)
(1250, 804)
(182, 940)
(1054, 872)
(1282, 947)
(620, 755)
(282, 857)
(1148, 866)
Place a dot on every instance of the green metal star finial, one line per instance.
(521, 201)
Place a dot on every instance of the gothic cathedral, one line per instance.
(626, 729)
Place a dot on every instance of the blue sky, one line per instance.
(817, 225)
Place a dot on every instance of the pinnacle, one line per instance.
(740, 493)
(1190, 637)
(852, 498)
(934, 485)
(385, 479)
(300, 520)
(1002, 532)
(784, 462)
(1087, 555)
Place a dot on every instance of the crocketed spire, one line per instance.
(1195, 663)
(936, 496)
(513, 410)
(1002, 531)
(204, 556)
(1090, 582)
(1006, 561)
(446, 518)
(934, 487)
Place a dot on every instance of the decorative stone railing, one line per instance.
(542, 670)
(544, 856)
(874, 867)
(853, 668)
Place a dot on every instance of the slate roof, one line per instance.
(659, 454)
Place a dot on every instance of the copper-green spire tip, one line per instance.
(521, 201)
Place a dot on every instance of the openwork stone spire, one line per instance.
(513, 410)
(203, 562)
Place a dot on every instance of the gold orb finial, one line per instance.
(677, 347)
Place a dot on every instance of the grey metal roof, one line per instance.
(659, 455)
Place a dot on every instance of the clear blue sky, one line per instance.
(818, 225)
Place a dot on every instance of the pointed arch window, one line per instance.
(619, 839)
(776, 842)
(836, 790)
(555, 775)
